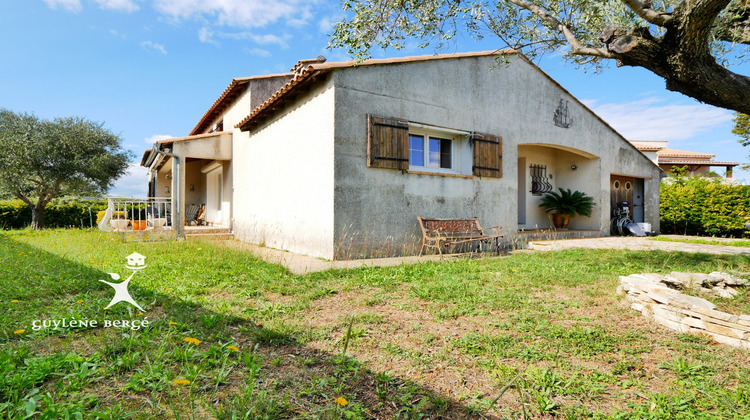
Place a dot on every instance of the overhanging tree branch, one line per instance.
(651, 16)
(575, 46)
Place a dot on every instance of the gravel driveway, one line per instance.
(636, 243)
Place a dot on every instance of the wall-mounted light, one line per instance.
(166, 189)
(573, 167)
(168, 176)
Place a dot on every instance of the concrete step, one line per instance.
(211, 236)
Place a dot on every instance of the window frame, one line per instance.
(456, 138)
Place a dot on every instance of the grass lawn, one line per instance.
(533, 335)
(736, 242)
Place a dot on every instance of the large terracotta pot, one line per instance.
(561, 220)
(139, 224)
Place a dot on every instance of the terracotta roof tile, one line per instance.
(235, 89)
(682, 153)
(698, 162)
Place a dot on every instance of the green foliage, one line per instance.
(515, 24)
(60, 213)
(704, 206)
(567, 202)
(45, 159)
(742, 130)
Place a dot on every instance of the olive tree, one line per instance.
(742, 129)
(43, 159)
(684, 42)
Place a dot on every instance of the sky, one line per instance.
(149, 69)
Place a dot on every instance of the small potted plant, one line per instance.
(565, 205)
(119, 221)
(140, 222)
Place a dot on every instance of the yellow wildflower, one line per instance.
(14, 300)
(233, 348)
(341, 401)
(180, 382)
(79, 301)
(172, 323)
(21, 331)
(192, 340)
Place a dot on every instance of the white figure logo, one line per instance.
(135, 262)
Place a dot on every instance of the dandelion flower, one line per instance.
(192, 340)
(341, 401)
(79, 301)
(14, 300)
(180, 382)
(233, 348)
(172, 323)
(21, 331)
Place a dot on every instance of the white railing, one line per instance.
(133, 214)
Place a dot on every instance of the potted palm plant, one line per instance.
(565, 205)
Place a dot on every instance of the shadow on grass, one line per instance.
(239, 369)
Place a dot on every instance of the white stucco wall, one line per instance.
(283, 175)
(376, 209)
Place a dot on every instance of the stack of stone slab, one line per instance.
(657, 296)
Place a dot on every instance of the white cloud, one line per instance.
(653, 119)
(206, 35)
(121, 5)
(133, 183)
(117, 34)
(325, 25)
(69, 5)
(269, 39)
(260, 52)
(153, 46)
(305, 15)
(156, 137)
(240, 13)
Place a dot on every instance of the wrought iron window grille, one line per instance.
(539, 182)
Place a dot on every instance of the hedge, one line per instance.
(704, 206)
(60, 213)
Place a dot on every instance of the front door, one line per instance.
(214, 196)
(621, 189)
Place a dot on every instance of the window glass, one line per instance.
(445, 153)
(416, 150)
(434, 157)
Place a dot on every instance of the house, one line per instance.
(337, 160)
(696, 163)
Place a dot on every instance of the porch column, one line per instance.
(178, 195)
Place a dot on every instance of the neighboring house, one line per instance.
(337, 160)
(696, 163)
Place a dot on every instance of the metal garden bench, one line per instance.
(443, 233)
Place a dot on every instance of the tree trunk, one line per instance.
(37, 215)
